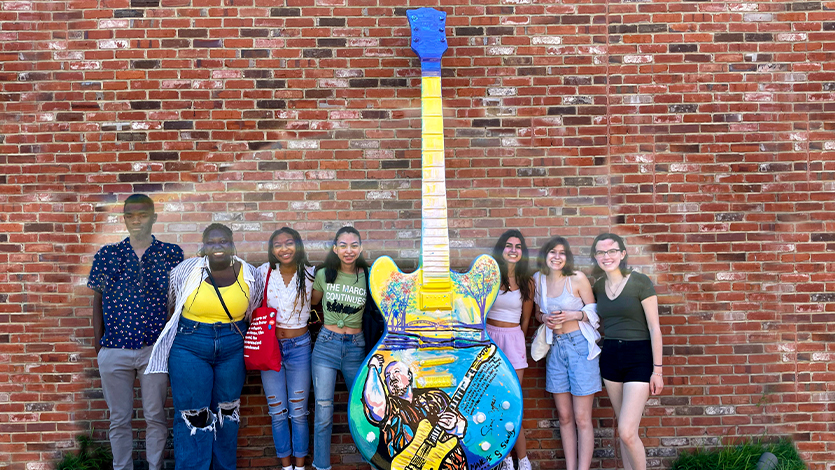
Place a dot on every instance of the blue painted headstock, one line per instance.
(428, 37)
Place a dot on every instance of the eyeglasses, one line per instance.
(611, 253)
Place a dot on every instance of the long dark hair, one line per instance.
(331, 264)
(522, 271)
(624, 268)
(568, 268)
(299, 260)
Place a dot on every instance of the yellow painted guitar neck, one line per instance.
(435, 282)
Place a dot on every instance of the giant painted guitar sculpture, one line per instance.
(435, 393)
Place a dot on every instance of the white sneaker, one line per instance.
(524, 463)
(507, 464)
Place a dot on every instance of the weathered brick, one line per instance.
(145, 104)
(256, 73)
(331, 42)
(674, 48)
(193, 33)
(144, 64)
(728, 37)
(128, 13)
(471, 31)
(364, 82)
(271, 104)
(255, 54)
(270, 84)
(131, 136)
(758, 37)
(561, 110)
(652, 28)
(805, 6)
(207, 43)
(331, 21)
(285, 12)
(178, 125)
(317, 53)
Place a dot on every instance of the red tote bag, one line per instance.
(261, 349)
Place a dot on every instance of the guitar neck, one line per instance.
(434, 228)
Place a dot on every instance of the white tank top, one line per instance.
(566, 300)
(507, 307)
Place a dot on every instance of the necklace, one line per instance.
(612, 293)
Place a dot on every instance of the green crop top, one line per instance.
(343, 301)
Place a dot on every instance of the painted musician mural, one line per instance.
(398, 409)
(435, 393)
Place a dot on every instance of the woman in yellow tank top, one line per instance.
(202, 345)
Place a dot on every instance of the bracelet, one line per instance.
(658, 365)
(658, 374)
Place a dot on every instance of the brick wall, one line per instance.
(703, 131)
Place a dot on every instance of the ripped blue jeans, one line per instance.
(207, 372)
(287, 394)
(333, 352)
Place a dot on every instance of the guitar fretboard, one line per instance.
(434, 227)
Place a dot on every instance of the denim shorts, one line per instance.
(567, 368)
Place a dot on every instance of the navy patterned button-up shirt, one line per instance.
(134, 295)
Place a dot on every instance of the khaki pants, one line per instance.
(119, 368)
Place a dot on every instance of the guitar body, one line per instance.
(435, 393)
(433, 455)
(398, 296)
(439, 348)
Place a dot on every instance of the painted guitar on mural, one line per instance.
(436, 393)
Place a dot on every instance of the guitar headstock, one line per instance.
(428, 36)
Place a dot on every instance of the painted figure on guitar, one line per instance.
(436, 393)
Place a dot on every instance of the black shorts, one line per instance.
(626, 361)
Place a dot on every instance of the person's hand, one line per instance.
(447, 420)
(656, 384)
(376, 361)
(555, 319)
(97, 345)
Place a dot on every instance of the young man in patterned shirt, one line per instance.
(130, 305)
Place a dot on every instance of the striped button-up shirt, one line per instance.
(185, 279)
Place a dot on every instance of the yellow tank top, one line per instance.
(203, 305)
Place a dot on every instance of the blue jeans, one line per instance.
(567, 368)
(292, 381)
(207, 372)
(332, 352)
